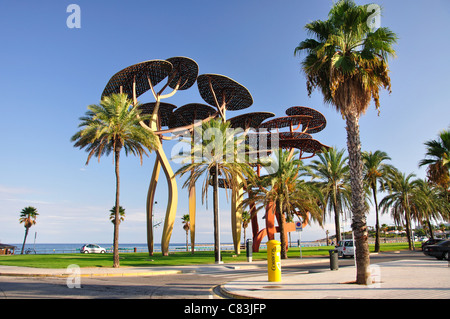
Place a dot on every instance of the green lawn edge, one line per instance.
(57, 261)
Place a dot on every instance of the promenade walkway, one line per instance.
(402, 279)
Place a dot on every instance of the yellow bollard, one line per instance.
(274, 260)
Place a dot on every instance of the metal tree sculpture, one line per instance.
(222, 94)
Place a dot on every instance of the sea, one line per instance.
(58, 248)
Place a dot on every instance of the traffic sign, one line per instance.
(298, 226)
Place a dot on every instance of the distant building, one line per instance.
(7, 249)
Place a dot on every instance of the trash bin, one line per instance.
(249, 250)
(333, 259)
(274, 260)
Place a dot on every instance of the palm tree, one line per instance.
(110, 127)
(438, 159)
(374, 172)
(215, 155)
(384, 228)
(429, 202)
(332, 172)
(348, 63)
(186, 225)
(401, 189)
(290, 219)
(112, 216)
(286, 191)
(246, 218)
(28, 218)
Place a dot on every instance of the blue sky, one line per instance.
(49, 73)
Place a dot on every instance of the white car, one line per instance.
(346, 248)
(91, 248)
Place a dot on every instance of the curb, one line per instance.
(232, 295)
(136, 274)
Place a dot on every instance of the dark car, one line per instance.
(431, 242)
(440, 250)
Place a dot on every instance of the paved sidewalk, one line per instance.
(16, 271)
(403, 279)
(145, 271)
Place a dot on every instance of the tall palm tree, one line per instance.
(112, 216)
(429, 202)
(332, 171)
(282, 185)
(27, 218)
(438, 159)
(186, 225)
(283, 188)
(401, 189)
(374, 172)
(111, 126)
(348, 63)
(216, 154)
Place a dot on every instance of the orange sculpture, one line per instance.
(311, 121)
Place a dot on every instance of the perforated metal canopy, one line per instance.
(306, 145)
(189, 113)
(264, 142)
(286, 121)
(293, 135)
(184, 68)
(156, 70)
(164, 113)
(317, 123)
(218, 90)
(249, 120)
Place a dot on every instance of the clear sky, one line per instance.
(50, 73)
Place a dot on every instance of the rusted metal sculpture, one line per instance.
(182, 117)
(226, 94)
(135, 80)
(311, 122)
(221, 94)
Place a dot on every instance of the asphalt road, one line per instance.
(198, 285)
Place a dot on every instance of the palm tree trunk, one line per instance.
(116, 263)
(430, 228)
(337, 223)
(409, 226)
(216, 216)
(24, 239)
(409, 229)
(359, 226)
(279, 211)
(377, 220)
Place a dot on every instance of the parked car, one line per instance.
(346, 248)
(440, 250)
(92, 248)
(431, 242)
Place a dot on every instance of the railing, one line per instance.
(179, 248)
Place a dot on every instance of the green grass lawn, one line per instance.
(174, 259)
